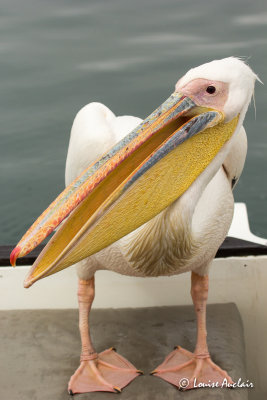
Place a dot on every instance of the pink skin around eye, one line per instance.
(196, 90)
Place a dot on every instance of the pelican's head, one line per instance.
(226, 85)
(146, 171)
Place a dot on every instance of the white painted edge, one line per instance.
(240, 225)
(112, 289)
(59, 290)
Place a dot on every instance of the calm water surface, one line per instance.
(57, 55)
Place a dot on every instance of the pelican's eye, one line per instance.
(211, 89)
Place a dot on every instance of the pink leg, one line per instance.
(183, 368)
(107, 371)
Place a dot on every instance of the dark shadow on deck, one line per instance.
(231, 247)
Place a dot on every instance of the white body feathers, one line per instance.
(183, 237)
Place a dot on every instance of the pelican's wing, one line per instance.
(94, 131)
(235, 160)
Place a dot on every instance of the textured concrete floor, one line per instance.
(39, 350)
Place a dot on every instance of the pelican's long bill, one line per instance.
(139, 177)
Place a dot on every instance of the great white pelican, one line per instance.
(149, 198)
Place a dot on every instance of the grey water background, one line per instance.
(58, 55)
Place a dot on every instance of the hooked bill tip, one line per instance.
(27, 283)
(14, 255)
